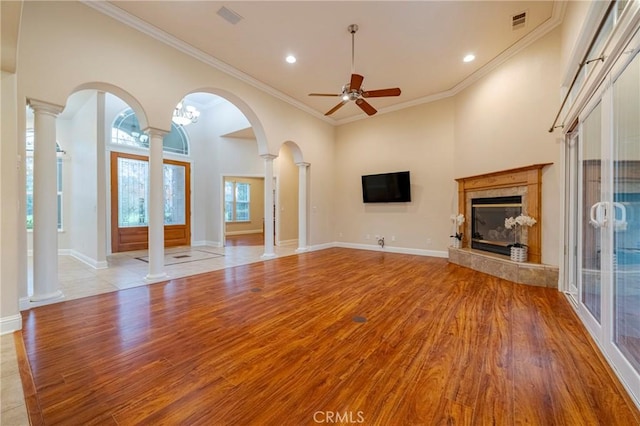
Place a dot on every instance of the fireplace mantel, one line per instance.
(525, 181)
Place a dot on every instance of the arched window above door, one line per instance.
(126, 131)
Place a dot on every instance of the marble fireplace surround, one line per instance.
(527, 183)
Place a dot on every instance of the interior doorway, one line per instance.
(243, 210)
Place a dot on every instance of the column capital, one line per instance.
(269, 157)
(43, 107)
(303, 164)
(155, 132)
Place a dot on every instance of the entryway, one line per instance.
(129, 198)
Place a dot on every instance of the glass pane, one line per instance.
(591, 238)
(174, 195)
(242, 211)
(59, 174)
(228, 191)
(126, 131)
(29, 172)
(29, 210)
(228, 211)
(242, 192)
(176, 141)
(626, 212)
(59, 210)
(133, 190)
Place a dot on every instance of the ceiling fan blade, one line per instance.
(365, 106)
(325, 94)
(335, 108)
(356, 82)
(382, 92)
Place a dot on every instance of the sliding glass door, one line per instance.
(591, 213)
(603, 203)
(625, 213)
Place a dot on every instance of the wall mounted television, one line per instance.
(386, 188)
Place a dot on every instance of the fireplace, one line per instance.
(488, 232)
(525, 182)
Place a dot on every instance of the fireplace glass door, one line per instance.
(488, 215)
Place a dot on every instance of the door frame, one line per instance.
(174, 235)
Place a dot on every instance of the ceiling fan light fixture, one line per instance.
(353, 91)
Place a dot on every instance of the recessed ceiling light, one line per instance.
(291, 59)
(470, 57)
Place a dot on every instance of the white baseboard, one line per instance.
(323, 246)
(24, 303)
(206, 243)
(10, 324)
(95, 264)
(248, 231)
(390, 249)
(61, 252)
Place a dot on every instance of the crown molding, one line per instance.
(144, 27)
(557, 15)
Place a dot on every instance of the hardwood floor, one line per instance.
(283, 342)
(244, 240)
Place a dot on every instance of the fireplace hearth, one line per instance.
(488, 232)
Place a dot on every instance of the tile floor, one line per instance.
(125, 270)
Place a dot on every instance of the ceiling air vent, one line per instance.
(229, 15)
(518, 21)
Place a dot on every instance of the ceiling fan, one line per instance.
(353, 91)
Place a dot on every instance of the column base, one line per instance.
(46, 296)
(302, 249)
(268, 256)
(156, 277)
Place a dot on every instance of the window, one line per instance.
(29, 172)
(237, 201)
(126, 131)
(133, 187)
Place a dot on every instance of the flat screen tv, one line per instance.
(386, 188)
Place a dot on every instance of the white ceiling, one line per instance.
(415, 45)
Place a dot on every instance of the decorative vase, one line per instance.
(519, 254)
(456, 243)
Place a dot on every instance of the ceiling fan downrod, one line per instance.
(353, 28)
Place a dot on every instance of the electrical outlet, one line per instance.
(393, 238)
(367, 237)
(428, 241)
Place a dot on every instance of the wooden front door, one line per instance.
(129, 202)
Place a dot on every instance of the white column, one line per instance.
(302, 207)
(156, 206)
(268, 206)
(45, 202)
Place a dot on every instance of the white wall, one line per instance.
(419, 139)
(502, 122)
(572, 27)
(287, 193)
(498, 123)
(12, 265)
(83, 225)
